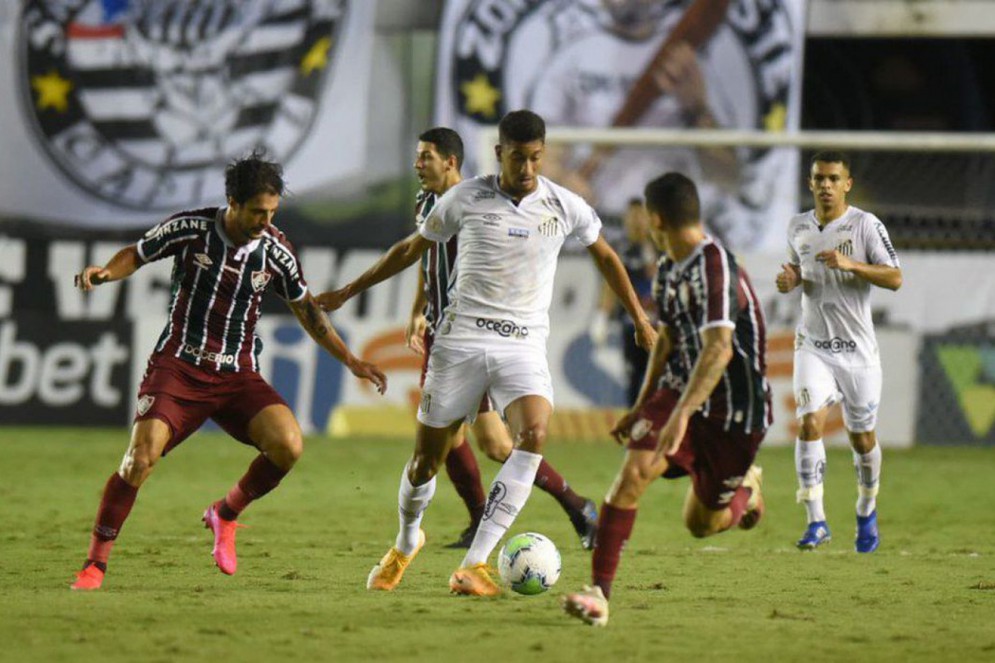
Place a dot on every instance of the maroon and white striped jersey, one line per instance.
(710, 289)
(438, 264)
(217, 287)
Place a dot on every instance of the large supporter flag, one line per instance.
(115, 112)
(732, 64)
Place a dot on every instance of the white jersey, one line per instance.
(836, 308)
(506, 256)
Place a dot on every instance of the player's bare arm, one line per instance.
(400, 256)
(715, 355)
(124, 263)
(883, 276)
(415, 330)
(613, 271)
(789, 278)
(654, 370)
(316, 324)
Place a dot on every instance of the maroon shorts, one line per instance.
(716, 459)
(184, 396)
(485, 402)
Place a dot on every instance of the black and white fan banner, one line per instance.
(115, 112)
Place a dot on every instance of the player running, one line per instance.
(206, 361)
(437, 163)
(836, 252)
(491, 338)
(705, 404)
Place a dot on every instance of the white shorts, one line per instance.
(458, 378)
(819, 384)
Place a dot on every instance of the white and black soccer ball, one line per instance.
(529, 563)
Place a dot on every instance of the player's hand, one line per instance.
(671, 435)
(333, 299)
(620, 431)
(91, 277)
(364, 370)
(414, 334)
(835, 260)
(679, 74)
(646, 335)
(788, 278)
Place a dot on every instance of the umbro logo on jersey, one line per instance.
(259, 280)
(518, 232)
(202, 260)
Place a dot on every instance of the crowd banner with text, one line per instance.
(118, 113)
(78, 359)
(733, 64)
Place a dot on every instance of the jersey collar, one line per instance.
(240, 251)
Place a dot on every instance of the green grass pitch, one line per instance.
(928, 594)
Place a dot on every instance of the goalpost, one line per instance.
(934, 190)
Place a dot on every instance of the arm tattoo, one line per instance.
(315, 319)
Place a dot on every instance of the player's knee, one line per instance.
(811, 428)
(532, 437)
(496, 448)
(422, 468)
(136, 465)
(630, 485)
(698, 527)
(284, 447)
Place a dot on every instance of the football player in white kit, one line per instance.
(492, 336)
(836, 253)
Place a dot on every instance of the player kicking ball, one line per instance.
(206, 361)
(836, 252)
(439, 157)
(705, 404)
(491, 338)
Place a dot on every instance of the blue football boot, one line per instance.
(815, 535)
(867, 533)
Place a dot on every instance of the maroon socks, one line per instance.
(261, 477)
(115, 505)
(614, 528)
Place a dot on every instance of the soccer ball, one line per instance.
(529, 563)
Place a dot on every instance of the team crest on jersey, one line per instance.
(549, 226)
(139, 103)
(202, 260)
(846, 247)
(260, 279)
(144, 405)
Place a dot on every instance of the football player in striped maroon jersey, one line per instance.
(705, 404)
(205, 364)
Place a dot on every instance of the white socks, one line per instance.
(868, 467)
(507, 496)
(810, 465)
(411, 504)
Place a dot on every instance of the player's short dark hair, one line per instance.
(831, 156)
(447, 143)
(675, 198)
(521, 126)
(247, 178)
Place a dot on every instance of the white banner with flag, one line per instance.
(117, 112)
(669, 64)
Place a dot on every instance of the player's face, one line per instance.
(251, 219)
(432, 168)
(520, 165)
(637, 225)
(829, 182)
